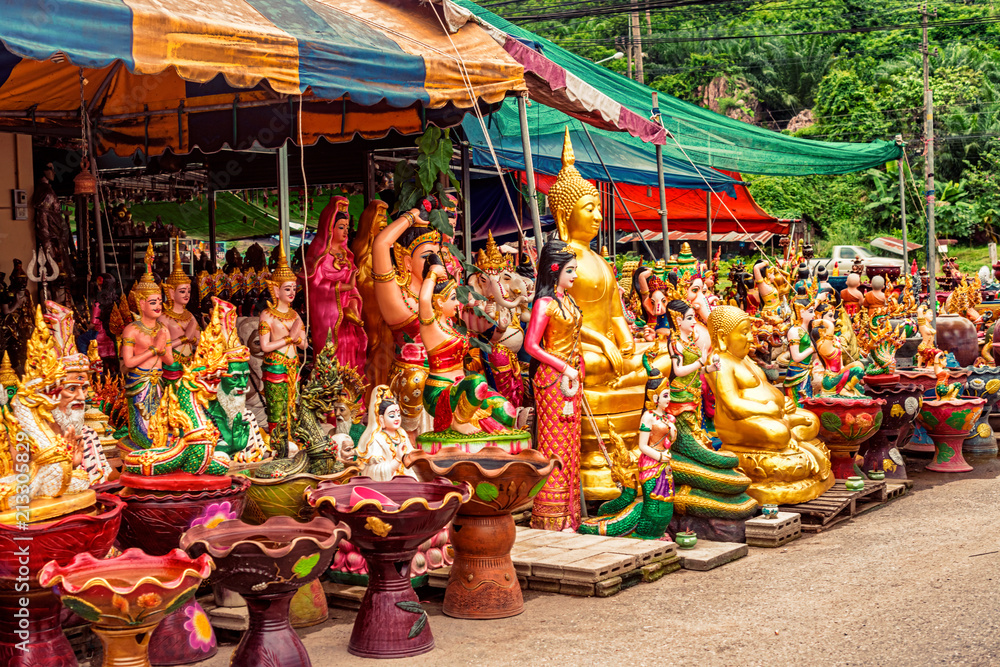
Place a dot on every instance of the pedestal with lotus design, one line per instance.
(483, 583)
(844, 424)
(948, 423)
(388, 521)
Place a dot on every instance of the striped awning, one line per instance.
(729, 237)
(180, 74)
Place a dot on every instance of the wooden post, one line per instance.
(212, 240)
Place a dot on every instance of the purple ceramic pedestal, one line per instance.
(46, 645)
(881, 452)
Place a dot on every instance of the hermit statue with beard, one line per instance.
(69, 413)
(240, 437)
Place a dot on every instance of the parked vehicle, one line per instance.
(844, 256)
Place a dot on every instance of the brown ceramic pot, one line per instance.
(957, 334)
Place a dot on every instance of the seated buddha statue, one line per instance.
(774, 440)
(614, 379)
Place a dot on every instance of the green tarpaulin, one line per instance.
(708, 138)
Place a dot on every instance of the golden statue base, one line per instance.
(785, 477)
(46, 509)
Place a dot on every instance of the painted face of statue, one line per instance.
(450, 304)
(342, 415)
(688, 322)
(568, 274)
(181, 294)
(585, 219)
(529, 288)
(658, 302)
(151, 306)
(415, 262)
(73, 393)
(738, 340)
(663, 400)
(808, 315)
(236, 380)
(286, 293)
(340, 230)
(392, 418)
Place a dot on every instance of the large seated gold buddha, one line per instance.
(774, 440)
(614, 378)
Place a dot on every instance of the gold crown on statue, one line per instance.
(490, 259)
(569, 187)
(282, 273)
(219, 344)
(42, 366)
(146, 286)
(177, 277)
(8, 377)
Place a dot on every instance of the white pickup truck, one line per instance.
(843, 259)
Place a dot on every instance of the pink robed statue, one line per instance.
(334, 300)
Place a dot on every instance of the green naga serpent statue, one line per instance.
(328, 384)
(183, 436)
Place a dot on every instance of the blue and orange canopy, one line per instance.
(181, 74)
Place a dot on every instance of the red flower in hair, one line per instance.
(555, 267)
(427, 205)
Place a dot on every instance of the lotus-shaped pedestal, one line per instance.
(388, 521)
(948, 423)
(267, 564)
(927, 380)
(881, 451)
(483, 583)
(983, 383)
(154, 522)
(844, 424)
(124, 598)
(23, 553)
(285, 496)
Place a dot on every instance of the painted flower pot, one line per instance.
(876, 475)
(948, 423)
(845, 423)
(267, 564)
(391, 623)
(483, 583)
(125, 597)
(60, 541)
(881, 451)
(285, 496)
(769, 511)
(686, 539)
(154, 522)
(983, 383)
(854, 483)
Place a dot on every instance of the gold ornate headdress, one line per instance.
(177, 277)
(219, 344)
(400, 252)
(449, 285)
(569, 187)
(7, 375)
(282, 273)
(236, 282)
(490, 260)
(42, 367)
(146, 286)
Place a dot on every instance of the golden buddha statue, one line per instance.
(615, 378)
(774, 440)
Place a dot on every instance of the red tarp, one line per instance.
(686, 209)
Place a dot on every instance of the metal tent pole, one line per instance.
(467, 203)
(212, 236)
(663, 189)
(529, 170)
(283, 212)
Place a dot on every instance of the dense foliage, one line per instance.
(862, 84)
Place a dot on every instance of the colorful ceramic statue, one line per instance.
(645, 506)
(774, 440)
(29, 443)
(334, 300)
(964, 299)
(380, 347)
(451, 263)
(927, 351)
(181, 326)
(875, 297)
(944, 390)
(615, 378)
(70, 414)
(655, 305)
(146, 353)
(384, 443)
(458, 401)
(553, 340)
(881, 341)
(832, 376)
(851, 295)
(282, 335)
(763, 277)
(240, 437)
(407, 242)
(801, 353)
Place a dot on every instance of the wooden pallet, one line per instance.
(837, 505)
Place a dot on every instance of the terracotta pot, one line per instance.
(154, 522)
(390, 622)
(983, 383)
(845, 423)
(881, 451)
(948, 423)
(267, 564)
(483, 582)
(125, 597)
(957, 334)
(59, 541)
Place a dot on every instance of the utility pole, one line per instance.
(637, 41)
(929, 165)
(902, 206)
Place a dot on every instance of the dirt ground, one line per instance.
(911, 583)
